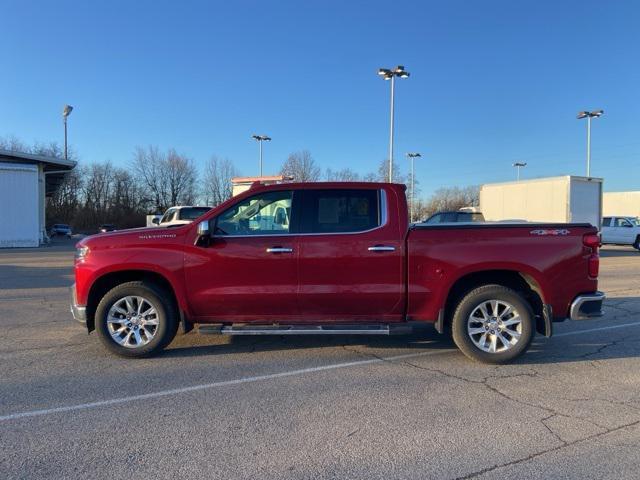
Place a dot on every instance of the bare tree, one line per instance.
(63, 205)
(13, 144)
(216, 184)
(51, 149)
(344, 175)
(169, 178)
(448, 199)
(97, 188)
(181, 178)
(301, 166)
(148, 165)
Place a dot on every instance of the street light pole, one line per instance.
(412, 157)
(66, 111)
(260, 139)
(391, 74)
(589, 116)
(393, 89)
(518, 165)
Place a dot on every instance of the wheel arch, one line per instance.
(522, 282)
(110, 280)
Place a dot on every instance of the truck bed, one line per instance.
(550, 257)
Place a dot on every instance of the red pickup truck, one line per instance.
(335, 258)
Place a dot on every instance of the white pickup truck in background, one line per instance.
(621, 231)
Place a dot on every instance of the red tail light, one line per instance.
(592, 241)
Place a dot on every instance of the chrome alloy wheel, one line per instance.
(132, 321)
(494, 326)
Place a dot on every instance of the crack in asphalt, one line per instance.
(544, 452)
(550, 430)
(551, 413)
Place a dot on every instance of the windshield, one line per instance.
(635, 221)
(192, 213)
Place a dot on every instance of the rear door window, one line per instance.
(606, 222)
(340, 211)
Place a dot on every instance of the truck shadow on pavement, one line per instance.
(621, 343)
(425, 339)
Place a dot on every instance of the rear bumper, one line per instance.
(79, 312)
(587, 306)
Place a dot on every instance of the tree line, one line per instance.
(154, 180)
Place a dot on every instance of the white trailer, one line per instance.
(566, 199)
(621, 204)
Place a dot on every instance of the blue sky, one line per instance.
(492, 82)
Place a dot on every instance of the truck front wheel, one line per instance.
(493, 324)
(136, 319)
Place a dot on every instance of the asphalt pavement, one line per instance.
(312, 407)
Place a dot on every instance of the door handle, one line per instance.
(279, 250)
(381, 248)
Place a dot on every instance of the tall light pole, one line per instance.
(66, 111)
(391, 74)
(412, 156)
(260, 139)
(518, 165)
(589, 116)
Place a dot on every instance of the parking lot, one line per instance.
(310, 407)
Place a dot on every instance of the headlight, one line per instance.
(81, 253)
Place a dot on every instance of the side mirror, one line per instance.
(156, 220)
(203, 234)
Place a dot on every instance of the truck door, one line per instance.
(625, 231)
(350, 257)
(607, 230)
(248, 272)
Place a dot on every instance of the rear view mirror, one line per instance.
(156, 221)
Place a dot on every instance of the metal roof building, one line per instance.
(25, 182)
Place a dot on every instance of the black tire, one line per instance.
(466, 307)
(636, 244)
(166, 314)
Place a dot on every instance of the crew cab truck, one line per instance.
(621, 231)
(335, 258)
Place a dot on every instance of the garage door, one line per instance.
(19, 205)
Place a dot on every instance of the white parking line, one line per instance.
(206, 386)
(226, 383)
(589, 330)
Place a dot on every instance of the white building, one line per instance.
(25, 182)
(621, 204)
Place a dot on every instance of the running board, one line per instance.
(386, 329)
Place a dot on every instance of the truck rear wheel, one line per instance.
(493, 324)
(136, 319)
